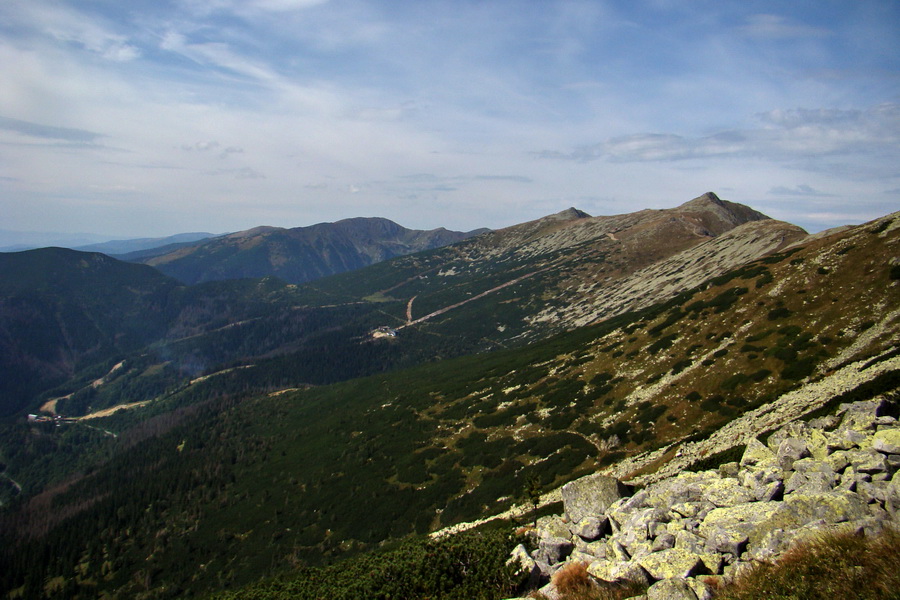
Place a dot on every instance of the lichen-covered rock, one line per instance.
(688, 487)
(527, 567)
(757, 455)
(619, 572)
(590, 496)
(701, 589)
(671, 589)
(589, 528)
(742, 518)
(764, 482)
(799, 510)
(730, 540)
(663, 542)
(727, 492)
(867, 461)
(672, 563)
(790, 450)
(552, 550)
(807, 479)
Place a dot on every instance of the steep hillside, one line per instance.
(296, 255)
(231, 490)
(499, 289)
(564, 271)
(61, 310)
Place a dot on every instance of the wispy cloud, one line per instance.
(799, 190)
(49, 132)
(780, 27)
(782, 135)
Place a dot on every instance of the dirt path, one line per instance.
(409, 309)
(441, 311)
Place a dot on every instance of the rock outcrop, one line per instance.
(835, 473)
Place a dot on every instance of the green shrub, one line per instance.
(463, 566)
(681, 365)
(779, 313)
(799, 369)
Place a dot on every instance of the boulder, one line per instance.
(790, 450)
(589, 528)
(527, 567)
(728, 492)
(757, 455)
(591, 496)
(553, 550)
(672, 563)
(887, 441)
(671, 589)
(801, 509)
(619, 572)
(867, 461)
(728, 540)
(734, 522)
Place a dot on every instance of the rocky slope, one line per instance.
(838, 472)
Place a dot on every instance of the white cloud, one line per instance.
(777, 26)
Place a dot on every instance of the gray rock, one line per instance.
(553, 550)
(809, 483)
(591, 496)
(672, 563)
(728, 540)
(702, 590)
(671, 589)
(528, 568)
(757, 455)
(728, 492)
(550, 592)
(619, 572)
(791, 449)
(689, 542)
(764, 482)
(552, 526)
(800, 509)
(590, 528)
(867, 461)
(687, 487)
(742, 519)
(730, 469)
(862, 416)
(663, 542)
(795, 429)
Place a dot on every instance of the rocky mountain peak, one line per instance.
(718, 215)
(570, 214)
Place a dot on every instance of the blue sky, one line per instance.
(152, 117)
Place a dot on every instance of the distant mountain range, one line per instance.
(212, 433)
(294, 255)
(117, 247)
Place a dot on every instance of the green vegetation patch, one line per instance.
(466, 566)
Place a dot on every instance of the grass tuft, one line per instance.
(841, 565)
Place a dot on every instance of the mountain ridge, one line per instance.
(296, 255)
